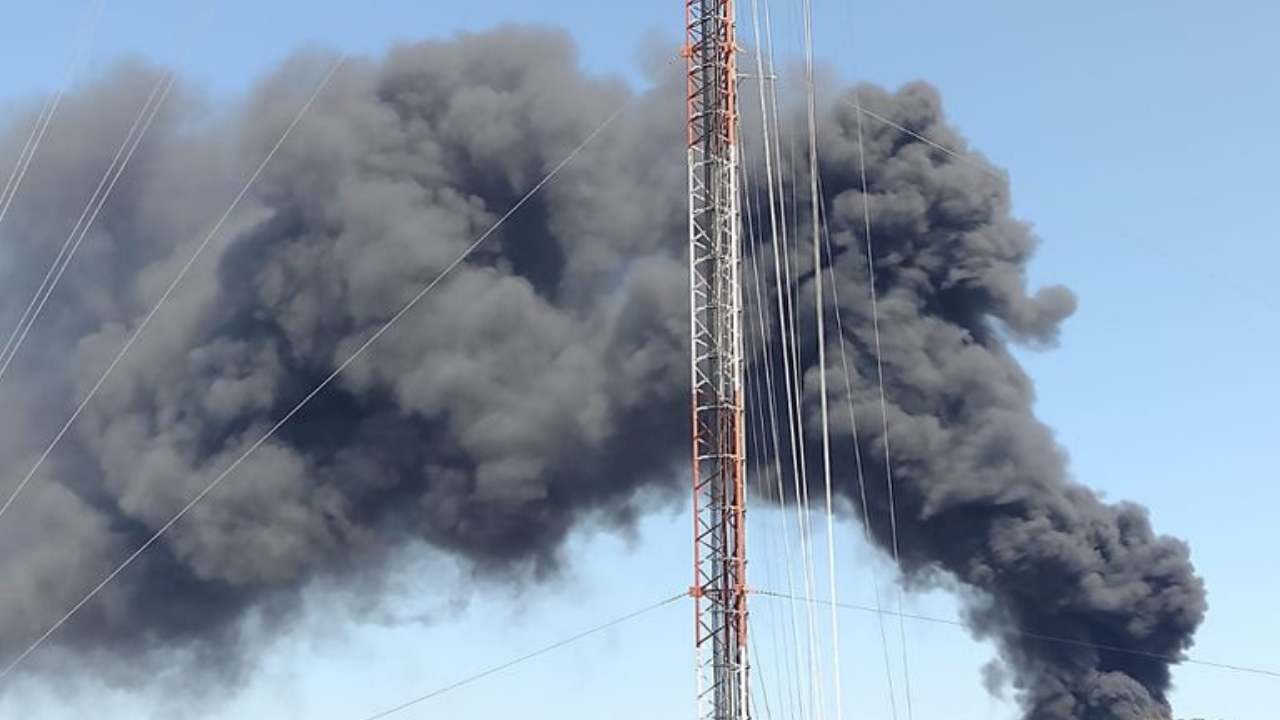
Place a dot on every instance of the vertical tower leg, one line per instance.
(719, 588)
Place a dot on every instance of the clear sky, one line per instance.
(1140, 141)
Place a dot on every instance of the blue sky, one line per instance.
(1139, 139)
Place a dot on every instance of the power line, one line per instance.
(860, 472)
(815, 201)
(1036, 636)
(124, 154)
(213, 484)
(48, 110)
(926, 140)
(994, 172)
(884, 411)
(857, 106)
(164, 297)
(120, 355)
(1003, 176)
(770, 431)
(523, 658)
(805, 686)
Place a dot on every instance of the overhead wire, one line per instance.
(124, 154)
(769, 430)
(50, 107)
(120, 355)
(988, 169)
(32, 144)
(6, 357)
(790, 334)
(794, 378)
(341, 367)
(1233, 667)
(786, 318)
(816, 220)
(1002, 175)
(804, 504)
(860, 473)
(788, 342)
(173, 285)
(766, 89)
(496, 669)
(800, 480)
(757, 356)
(884, 411)
(764, 688)
(784, 315)
(788, 331)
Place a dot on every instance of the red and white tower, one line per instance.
(719, 434)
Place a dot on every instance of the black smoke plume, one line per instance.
(543, 385)
(1068, 586)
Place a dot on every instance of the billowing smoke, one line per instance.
(1068, 586)
(542, 386)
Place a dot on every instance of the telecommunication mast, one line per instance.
(719, 439)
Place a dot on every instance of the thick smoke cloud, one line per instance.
(980, 486)
(543, 385)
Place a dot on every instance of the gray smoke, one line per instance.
(981, 487)
(543, 385)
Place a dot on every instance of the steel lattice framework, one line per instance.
(719, 590)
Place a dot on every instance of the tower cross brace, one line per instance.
(719, 435)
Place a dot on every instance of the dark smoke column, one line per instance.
(981, 487)
(541, 389)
